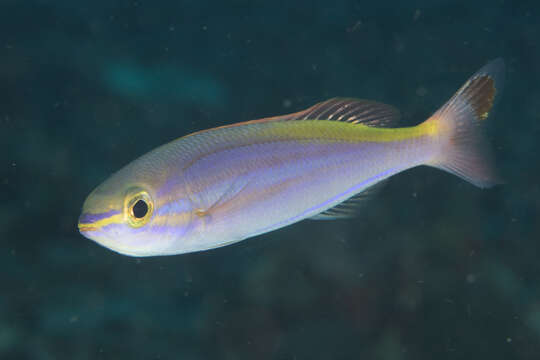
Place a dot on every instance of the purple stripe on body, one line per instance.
(173, 183)
(92, 218)
(177, 230)
(349, 191)
(174, 208)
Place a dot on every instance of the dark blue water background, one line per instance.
(434, 268)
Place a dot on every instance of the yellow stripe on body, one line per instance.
(168, 219)
(173, 219)
(308, 130)
(114, 219)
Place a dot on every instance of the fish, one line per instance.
(222, 185)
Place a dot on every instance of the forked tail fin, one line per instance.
(463, 149)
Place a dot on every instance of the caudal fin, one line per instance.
(463, 149)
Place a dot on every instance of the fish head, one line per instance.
(127, 214)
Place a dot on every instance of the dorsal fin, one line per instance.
(350, 207)
(356, 111)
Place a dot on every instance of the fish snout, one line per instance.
(91, 222)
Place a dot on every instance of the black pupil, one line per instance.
(140, 209)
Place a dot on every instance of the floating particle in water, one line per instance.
(471, 278)
(355, 27)
(287, 103)
(421, 91)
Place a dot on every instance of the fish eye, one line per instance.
(138, 207)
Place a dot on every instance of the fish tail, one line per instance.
(462, 148)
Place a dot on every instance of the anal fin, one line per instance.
(352, 206)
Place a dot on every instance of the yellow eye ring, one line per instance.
(138, 207)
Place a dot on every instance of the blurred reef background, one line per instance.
(436, 269)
